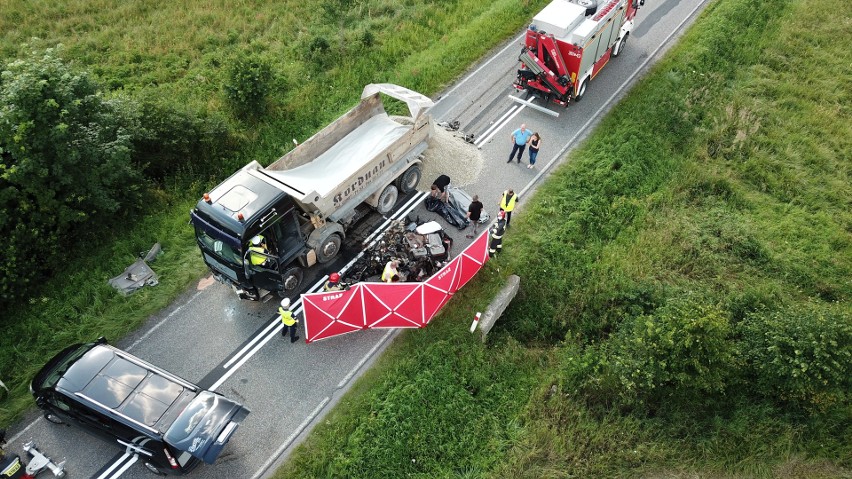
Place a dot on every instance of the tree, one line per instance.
(65, 162)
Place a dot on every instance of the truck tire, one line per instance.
(291, 279)
(619, 46)
(329, 248)
(387, 200)
(407, 182)
(582, 90)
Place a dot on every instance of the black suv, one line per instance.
(170, 423)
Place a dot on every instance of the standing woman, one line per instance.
(535, 144)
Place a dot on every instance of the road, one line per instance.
(210, 337)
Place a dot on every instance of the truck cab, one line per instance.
(226, 220)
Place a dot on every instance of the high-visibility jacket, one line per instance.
(510, 204)
(287, 316)
(257, 255)
(255, 258)
(329, 286)
(389, 272)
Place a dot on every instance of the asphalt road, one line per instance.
(210, 337)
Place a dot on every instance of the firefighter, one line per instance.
(257, 251)
(497, 231)
(391, 272)
(333, 283)
(290, 322)
(507, 204)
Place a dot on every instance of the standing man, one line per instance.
(507, 204)
(290, 321)
(520, 138)
(497, 231)
(391, 272)
(474, 212)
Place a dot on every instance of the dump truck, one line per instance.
(568, 44)
(299, 208)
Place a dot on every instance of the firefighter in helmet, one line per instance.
(333, 283)
(497, 231)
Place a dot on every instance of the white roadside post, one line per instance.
(475, 322)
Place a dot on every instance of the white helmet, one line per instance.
(285, 303)
(256, 240)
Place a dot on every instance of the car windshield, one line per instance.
(218, 247)
(63, 361)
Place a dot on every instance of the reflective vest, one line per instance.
(257, 259)
(257, 255)
(329, 286)
(388, 273)
(287, 316)
(510, 205)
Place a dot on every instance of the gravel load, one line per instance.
(448, 154)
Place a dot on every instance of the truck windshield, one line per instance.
(221, 249)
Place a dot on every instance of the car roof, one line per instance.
(128, 387)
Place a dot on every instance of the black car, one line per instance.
(170, 423)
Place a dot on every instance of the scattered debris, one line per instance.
(138, 274)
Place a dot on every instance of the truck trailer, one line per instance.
(569, 42)
(299, 208)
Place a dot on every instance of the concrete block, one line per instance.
(498, 305)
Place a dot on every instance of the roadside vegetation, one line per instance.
(684, 313)
(685, 289)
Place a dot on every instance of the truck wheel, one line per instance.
(616, 50)
(387, 200)
(407, 182)
(582, 90)
(329, 248)
(291, 279)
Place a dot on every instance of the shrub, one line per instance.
(248, 85)
(800, 355)
(66, 163)
(172, 138)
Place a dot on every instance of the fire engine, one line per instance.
(569, 42)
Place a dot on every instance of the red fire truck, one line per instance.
(569, 42)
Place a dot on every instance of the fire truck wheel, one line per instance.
(407, 182)
(291, 279)
(582, 90)
(387, 200)
(616, 51)
(329, 248)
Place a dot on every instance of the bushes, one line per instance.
(248, 86)
(801, 355)
(66, 161)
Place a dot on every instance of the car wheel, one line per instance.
(329, 248)
(408, 181)
(582, 90)
(387, 200)
(154, 469)
(53, 418)
(291, 279)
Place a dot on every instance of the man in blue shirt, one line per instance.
(520, 138)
